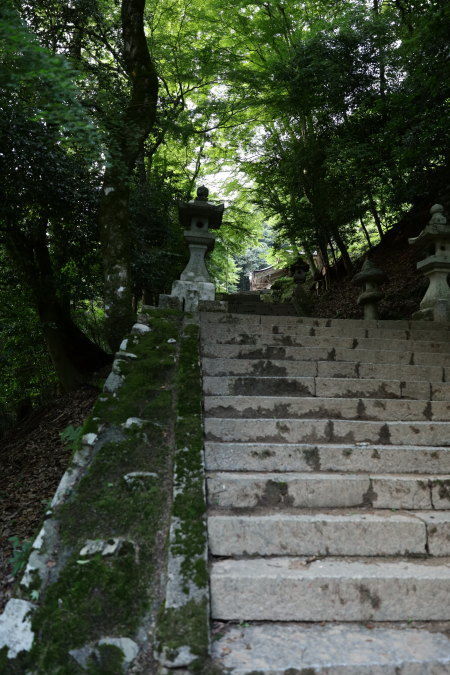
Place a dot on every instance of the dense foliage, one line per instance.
(324, 119)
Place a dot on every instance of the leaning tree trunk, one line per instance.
(342, 249)
(75, 357)
(131, 131)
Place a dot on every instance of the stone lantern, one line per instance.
(370, 277)
(434, 243)
(198, 217)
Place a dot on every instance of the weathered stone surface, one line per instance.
(407, 373)
(401, 492)
(128, 647)
(113, 382)
(416, 390)
(438, 531)
(293, 321)
(326, 431)
(330, 408)
(289, 489)
(253, 386)
(133, 422)
(336, 649)
(180, 657)
(108, 547)
(42, 550)
(440, 391)
(423, 366)
(310, 471)
(357, 388)
(140, 480)
(256, 367)
(309, 339)
(332, 457)
(65, 486)
(15, 627)
(213, 306)
(292, 589)
(349, 533)
(440, 492)
(140, 329)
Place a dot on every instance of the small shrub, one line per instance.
(21, 551)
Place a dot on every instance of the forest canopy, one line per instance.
(317, 122)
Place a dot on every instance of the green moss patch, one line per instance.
(187, 625)
(100, 596)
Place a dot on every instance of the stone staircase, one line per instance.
(327, 447)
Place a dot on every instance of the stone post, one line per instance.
(198, 217)
(370, 277)
(434, 244)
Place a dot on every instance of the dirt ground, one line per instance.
(32, 461)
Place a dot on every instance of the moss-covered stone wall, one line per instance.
(97, 588)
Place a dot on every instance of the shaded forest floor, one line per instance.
(33, 458)
(404, 288)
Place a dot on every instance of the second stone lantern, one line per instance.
(433, 243)
(198, 217)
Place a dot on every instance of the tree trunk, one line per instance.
(373, 210)
(333, 252)
(127, 143)
(364, 229)
(310, 259)
(74, 356)
(342, 249)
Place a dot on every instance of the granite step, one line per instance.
(331, 649)
(263, 344)
(224, 334)
(318, 407)
(345, 457)
(332, 354)
(235, 320)
(315, 490)
(318, 365)
(330, 589)
(323, 386)
(334, 533)
(326, 431)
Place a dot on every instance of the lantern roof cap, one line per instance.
(369, 272)
(437, 227)
(200, 207)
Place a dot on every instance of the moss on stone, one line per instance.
(185, 626)
(110, 595)
(107, 661)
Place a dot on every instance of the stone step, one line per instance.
(332, 589)
(326, 431)
(348, 387)
(241, 490)
(275, 342)
(344, 533)
(333, 457)
(298, 407)
(373, 356)
(331, 649)
(235, 320)
(285, 334)
(288, 368)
